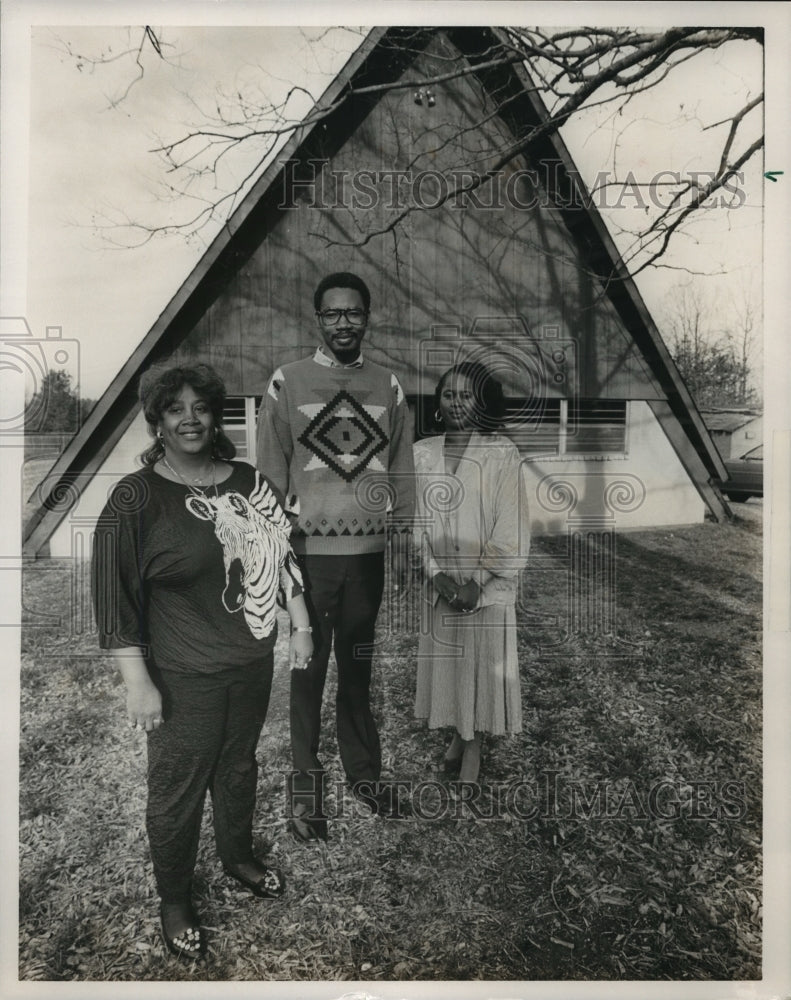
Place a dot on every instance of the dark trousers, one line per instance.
(343, 594)
(207, 742)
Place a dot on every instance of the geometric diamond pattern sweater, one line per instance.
(337, 442)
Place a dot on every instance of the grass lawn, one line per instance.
(618, 837)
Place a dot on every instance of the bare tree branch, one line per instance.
(573, 70)
(148, 36)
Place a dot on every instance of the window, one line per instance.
(596, 427)
(535, 425)
(558, 427)
(239, 420)
(565, 427)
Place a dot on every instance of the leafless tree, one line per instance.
(713, 346)
(742, 334)
(572, 71)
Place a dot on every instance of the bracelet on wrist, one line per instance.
(300, 628)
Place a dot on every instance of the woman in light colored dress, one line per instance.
(472, 531)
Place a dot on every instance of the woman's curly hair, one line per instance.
(161, 385)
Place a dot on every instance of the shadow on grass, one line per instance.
(609, 889)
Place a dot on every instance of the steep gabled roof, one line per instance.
(380, 60)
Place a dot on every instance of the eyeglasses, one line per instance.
(331, 317)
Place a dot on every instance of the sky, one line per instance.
(90, 165)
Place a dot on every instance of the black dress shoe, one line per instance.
(382, 799)
(307, 829)
(367, 794)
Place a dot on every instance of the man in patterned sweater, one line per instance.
(334, 435)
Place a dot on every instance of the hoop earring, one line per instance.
(438, 417)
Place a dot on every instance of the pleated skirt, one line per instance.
(468, 671)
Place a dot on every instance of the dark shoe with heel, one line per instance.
(451, 765)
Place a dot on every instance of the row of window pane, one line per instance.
(596, 426)
(546, 427)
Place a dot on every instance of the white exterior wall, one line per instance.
(654, 489)
(121, 461)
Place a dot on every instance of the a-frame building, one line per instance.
(521, 273)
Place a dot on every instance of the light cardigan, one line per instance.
(476, 519)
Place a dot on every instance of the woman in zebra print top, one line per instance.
(191, 556)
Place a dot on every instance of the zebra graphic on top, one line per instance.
(259, 563)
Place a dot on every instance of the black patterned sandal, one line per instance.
(189, 944)
(270, 883)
